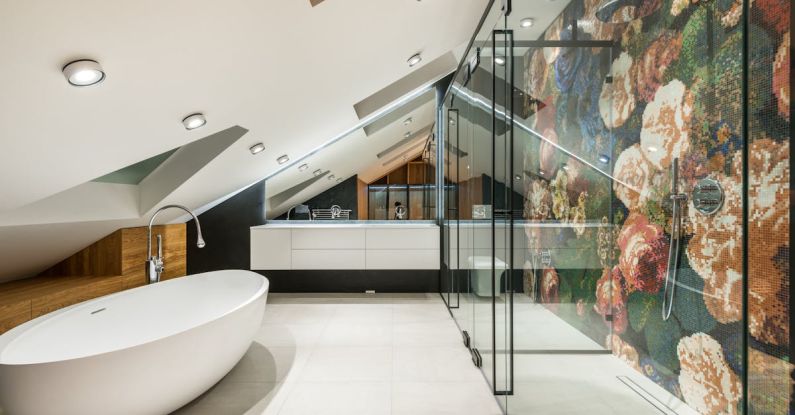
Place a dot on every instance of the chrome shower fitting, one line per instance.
(673, 249)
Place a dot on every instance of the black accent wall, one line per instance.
(501, 194)
(353, 281)
(226, 230)
(343, 194)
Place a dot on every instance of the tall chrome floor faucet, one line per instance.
(154, 264)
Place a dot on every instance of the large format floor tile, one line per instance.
(352, 354)
(443, 398)
(402, 354)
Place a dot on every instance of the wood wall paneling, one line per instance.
(398, 176)
(14, 314)
(74, 293)
(416, 172)
(362, 199)
(112, 264)
(133, 254)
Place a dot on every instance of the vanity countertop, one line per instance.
(413, 224)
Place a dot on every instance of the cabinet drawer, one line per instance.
(328, 259)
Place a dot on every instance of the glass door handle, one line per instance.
(673, 249)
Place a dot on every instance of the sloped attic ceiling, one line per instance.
(368, 156)
(286, 71)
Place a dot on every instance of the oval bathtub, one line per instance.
(148, 350)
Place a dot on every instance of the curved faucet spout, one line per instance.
(154, 264)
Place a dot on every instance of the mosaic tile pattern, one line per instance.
(676, 92)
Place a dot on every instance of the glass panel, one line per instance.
(501, 194)
(337, 172)
(612, 261)
(451, 284)
(398, 201)
(416, 201)
(770, 360)
(567, 208)
(377, 200)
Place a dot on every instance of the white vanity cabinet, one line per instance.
(345, 246)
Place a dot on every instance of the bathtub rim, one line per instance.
(8, 338)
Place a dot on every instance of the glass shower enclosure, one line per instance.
(598, 181)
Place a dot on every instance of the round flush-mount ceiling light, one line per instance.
(283, 159)
(83, 72)
(526, 22)
(257, 148)
(414, 59)
(194, 121)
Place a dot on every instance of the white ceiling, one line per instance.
(284, 70)
(287, 72)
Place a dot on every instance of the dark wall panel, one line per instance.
(343, 194)
(353, 281)
(226, 230)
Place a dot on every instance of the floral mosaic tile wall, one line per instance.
(676, 92)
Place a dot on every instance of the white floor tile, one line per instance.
(402, 354)
(339, 398)
(443, 398)
(349, 364)
(269, 364)
(289, 335)
(364, 313)
(299, 313)
(434, 364)
(356, 334)
(417, 313)
(434, 333)
(235, 398)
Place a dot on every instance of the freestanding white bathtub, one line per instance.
(148, 350)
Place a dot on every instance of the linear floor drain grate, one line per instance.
(648, 397)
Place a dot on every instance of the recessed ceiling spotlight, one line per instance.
(83, 72)
(499, 60)
(283, 159)
(651, 149)
(317, 172)
(414, 59)
(303, 167)
(407, 134)
(339, 179)
(603, 159)
(257, 148)
(526, 22)
(331, 177)
(194, 121)
(517, 177)
(408, 121)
